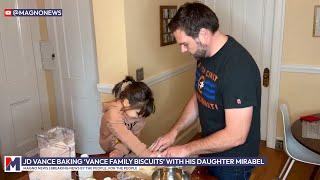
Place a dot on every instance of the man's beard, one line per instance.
(201, 51)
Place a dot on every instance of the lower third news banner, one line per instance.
(19, 163)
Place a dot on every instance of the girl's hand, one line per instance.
(116, 153)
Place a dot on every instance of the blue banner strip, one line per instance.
(97, 161)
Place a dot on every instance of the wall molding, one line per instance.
(107, 88)
(300, 68)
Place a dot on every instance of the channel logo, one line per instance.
(12, 164)
(32, 12)
(7, 12)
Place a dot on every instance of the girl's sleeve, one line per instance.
(106, 139)
(119, 129)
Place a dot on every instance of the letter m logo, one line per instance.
(12, 164)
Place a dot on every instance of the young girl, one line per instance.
(124, 118)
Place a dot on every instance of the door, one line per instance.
(23, 99)
(251, 23)
(77, 73)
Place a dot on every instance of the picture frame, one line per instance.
(316, 21)
(166, 14)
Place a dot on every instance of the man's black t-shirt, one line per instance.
(227, 80)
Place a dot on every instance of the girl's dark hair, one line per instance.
(138, 94)
(191, 17)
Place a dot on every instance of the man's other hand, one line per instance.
(164, 142)
(176, 151)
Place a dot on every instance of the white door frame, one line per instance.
(276, 59)
(57, 73)
(41, 76)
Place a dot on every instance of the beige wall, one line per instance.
(110, 32)
(129, 40)
(300, 47)
(143, 41)
(300, 91)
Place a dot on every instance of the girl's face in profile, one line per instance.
(133, 113)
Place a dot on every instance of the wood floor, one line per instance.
(275, 161)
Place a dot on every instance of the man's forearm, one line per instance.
(235, 133)
(189, 115)
(220, 141)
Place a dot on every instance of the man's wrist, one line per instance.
(187, 149)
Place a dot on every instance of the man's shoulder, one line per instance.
(239, 56)
(236, 49)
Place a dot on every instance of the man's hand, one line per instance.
(116, 153)
(189, 116)
(164, 142)
(155, 154)
(176, 151)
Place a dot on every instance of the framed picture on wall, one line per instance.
(316, 21)
(166, 14)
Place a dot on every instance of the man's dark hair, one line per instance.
(191, 17)
(138, 94)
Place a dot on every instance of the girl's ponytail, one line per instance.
(128, 79)
(117, 88)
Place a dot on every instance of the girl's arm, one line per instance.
(137, 128)
(117, 127)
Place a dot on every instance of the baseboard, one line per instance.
(279, 143)
(279, 138)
